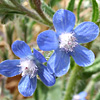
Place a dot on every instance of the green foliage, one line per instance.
(95, 67)
(53, 2)
(47, 9)
(7, 12)
(78, 9)
(97, 97)
(26, 26)
(55, 92)
(6, 17)
(92, 93)
(48, 93)
(9, 33)
(71, 5)
(20, 1)
(4, 54)
(95, 13)
(41, 91)
(29, 30)
(81, 77)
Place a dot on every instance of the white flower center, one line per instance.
(28, 67)
(76, 97)
(67, 42)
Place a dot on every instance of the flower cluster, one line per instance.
(65, 42)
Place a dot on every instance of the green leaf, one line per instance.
(20, 1)
(26, 26)
(78, 9)
(9, 33)
(53, 2)
(97, 97)
(48, 10)
(29, 31)
(5, 18)
(71, 5)
(41, 91)
(95, 67)
(55, 92)
(92, 92)
(95, 13)
(7, 13)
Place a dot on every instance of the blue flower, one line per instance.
(80, 96)
(29, 65)
(65, 41)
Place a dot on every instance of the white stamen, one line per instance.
(76, 97)
(67, 42)
(28, 67)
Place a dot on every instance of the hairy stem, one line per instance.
(29, 13)
(72, 82)
(36, 5)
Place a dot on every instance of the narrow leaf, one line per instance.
(97, 97)
(53, 2)
(95, 67)
(78, 9)
(71, 5)
(95, 13)
(48, 10)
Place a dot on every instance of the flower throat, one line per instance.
(67, 42)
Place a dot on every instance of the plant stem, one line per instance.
(36, 5)
(72, 82)
(8, 5)
(29, 13)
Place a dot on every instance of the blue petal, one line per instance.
(10, 68)
(39, 56)
(27, 86)
(47, 40)
(86, 32)
(21, 49)
(64, 21)
(83, 99)
(47, 78)
(83, 56)
(83, 94)
(59, 63)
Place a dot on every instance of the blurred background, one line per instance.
(15, 26)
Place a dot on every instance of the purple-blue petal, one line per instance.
(47, 78)
(64, 21)
(86, 32)
(21, 49)
(10, 68)
(82, 95)
(39, 56)
(83, 99)
(59, 63)
(27, 86)
(47, 40)
(82, 56)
